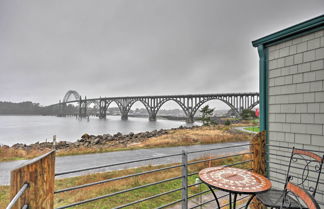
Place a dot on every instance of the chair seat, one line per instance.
(273, 199)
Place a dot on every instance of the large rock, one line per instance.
(85, 136)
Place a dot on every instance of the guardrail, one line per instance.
(37, 178)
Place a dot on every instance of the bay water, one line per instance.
(31, 129)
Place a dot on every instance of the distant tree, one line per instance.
(248, 114)
(227, 123)
(207, 113)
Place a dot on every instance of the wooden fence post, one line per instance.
(39, 173)
(258, 148)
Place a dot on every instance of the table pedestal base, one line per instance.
(232, 205)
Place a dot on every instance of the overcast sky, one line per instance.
(136, 47)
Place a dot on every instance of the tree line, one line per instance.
(24, 108)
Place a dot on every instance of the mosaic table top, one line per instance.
(234, 180)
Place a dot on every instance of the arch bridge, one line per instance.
(190, 104)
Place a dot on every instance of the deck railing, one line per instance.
(32, 184)
(185, 161)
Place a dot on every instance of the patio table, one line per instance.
(235, 181)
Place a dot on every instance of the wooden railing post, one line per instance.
(258, 148)
(39, 173)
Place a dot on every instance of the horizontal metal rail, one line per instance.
(148, 198)
(209, 201)
(292, 166)
(119, 192)
(233, 164)
(169, 204)
(218, 158)
(115, 164)
(290, 148)
(25, 207)
(285, 157)
(310, 179)
(17, 196)
(114, 179)
(213, 149)
(200, 193)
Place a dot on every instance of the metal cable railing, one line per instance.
(182, 163)
(115, 164)
(114, 179)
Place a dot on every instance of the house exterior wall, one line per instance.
(295, 98)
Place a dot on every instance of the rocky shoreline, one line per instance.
(98, 140)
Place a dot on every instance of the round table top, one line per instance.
(235, 180)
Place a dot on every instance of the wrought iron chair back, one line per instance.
(297, 193)
(311, 165)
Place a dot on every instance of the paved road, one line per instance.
(68, 163)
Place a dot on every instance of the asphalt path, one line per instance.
(75, 162)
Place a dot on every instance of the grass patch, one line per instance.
(4, 196)
(253, 128)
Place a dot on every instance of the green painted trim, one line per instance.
(291, 31)
(313, 30)
(263, 98)
(262, 87)
(266, 103)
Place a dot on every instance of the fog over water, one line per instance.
(30, 129)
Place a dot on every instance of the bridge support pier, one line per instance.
(190, 119)
(124, 116)
(102, 109)
(152, 117)
(83, 108)
(62, 110)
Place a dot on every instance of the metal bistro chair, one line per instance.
(311, 165)
(298, 194)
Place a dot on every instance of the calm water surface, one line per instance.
(31, 129)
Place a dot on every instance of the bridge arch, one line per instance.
(119, 105)
(183, 107)
(130, 104)
(70, 93)
(197, 106)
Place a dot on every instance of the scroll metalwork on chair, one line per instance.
(304, 169)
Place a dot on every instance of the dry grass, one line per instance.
(201, 135)
(179, 137)
(9, 154)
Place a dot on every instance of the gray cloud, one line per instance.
(143, 47)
